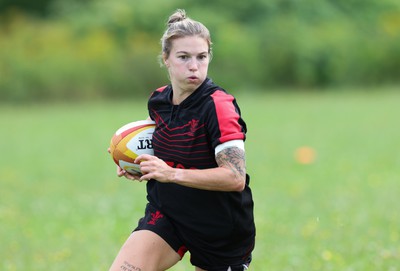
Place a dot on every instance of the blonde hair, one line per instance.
(179, 26)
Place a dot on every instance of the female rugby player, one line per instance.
(198, 192)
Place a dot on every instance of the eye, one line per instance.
(202, 57)
(183, 57)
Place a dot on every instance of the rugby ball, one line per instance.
(130, 141)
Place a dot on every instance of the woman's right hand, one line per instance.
(121, 172)
(133, 177)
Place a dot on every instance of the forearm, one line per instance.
(216, 179)
(229, 175)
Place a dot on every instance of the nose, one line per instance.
(192, 64)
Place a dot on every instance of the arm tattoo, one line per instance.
(233, 158)
(129, 267)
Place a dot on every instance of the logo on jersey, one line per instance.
(193, 126)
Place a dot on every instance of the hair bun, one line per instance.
(178, 16)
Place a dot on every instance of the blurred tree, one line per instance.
(38, 7)
(243, 12)
(84, 48)
(34, 7)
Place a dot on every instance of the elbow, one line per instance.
(240, 184)
(240, 188)
(235, 181)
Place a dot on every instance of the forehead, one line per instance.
(190, 44)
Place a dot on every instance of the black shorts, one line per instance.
(236, 256)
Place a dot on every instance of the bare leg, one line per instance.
(145, 251)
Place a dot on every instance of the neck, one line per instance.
(179, 96)
(179, 93)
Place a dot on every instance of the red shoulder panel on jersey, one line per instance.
(227, 117)
(161, 88)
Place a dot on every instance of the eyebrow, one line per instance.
(184, 52)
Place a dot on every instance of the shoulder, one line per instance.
(224, 103)
(160, 93)
(221, 97)
(161, 89)
(216, 95)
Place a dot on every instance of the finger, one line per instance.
(143, 157)
(145, 177)
(129, 176)
(120, 171)
(132, 176)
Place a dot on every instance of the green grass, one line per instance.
(63, 208)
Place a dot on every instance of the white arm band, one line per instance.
(233, 143)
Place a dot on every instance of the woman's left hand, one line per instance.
(154, 168)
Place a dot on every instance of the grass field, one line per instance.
(63, 208)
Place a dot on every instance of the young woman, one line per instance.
(198, 192)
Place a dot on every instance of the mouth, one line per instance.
(193, 77)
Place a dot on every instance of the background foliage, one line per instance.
(54, 49)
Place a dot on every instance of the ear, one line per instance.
(166, 63)
(165, 60)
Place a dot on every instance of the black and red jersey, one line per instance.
(185, 137)
(187, 134)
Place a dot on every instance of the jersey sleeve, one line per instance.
(224, 121)
(233, 143)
